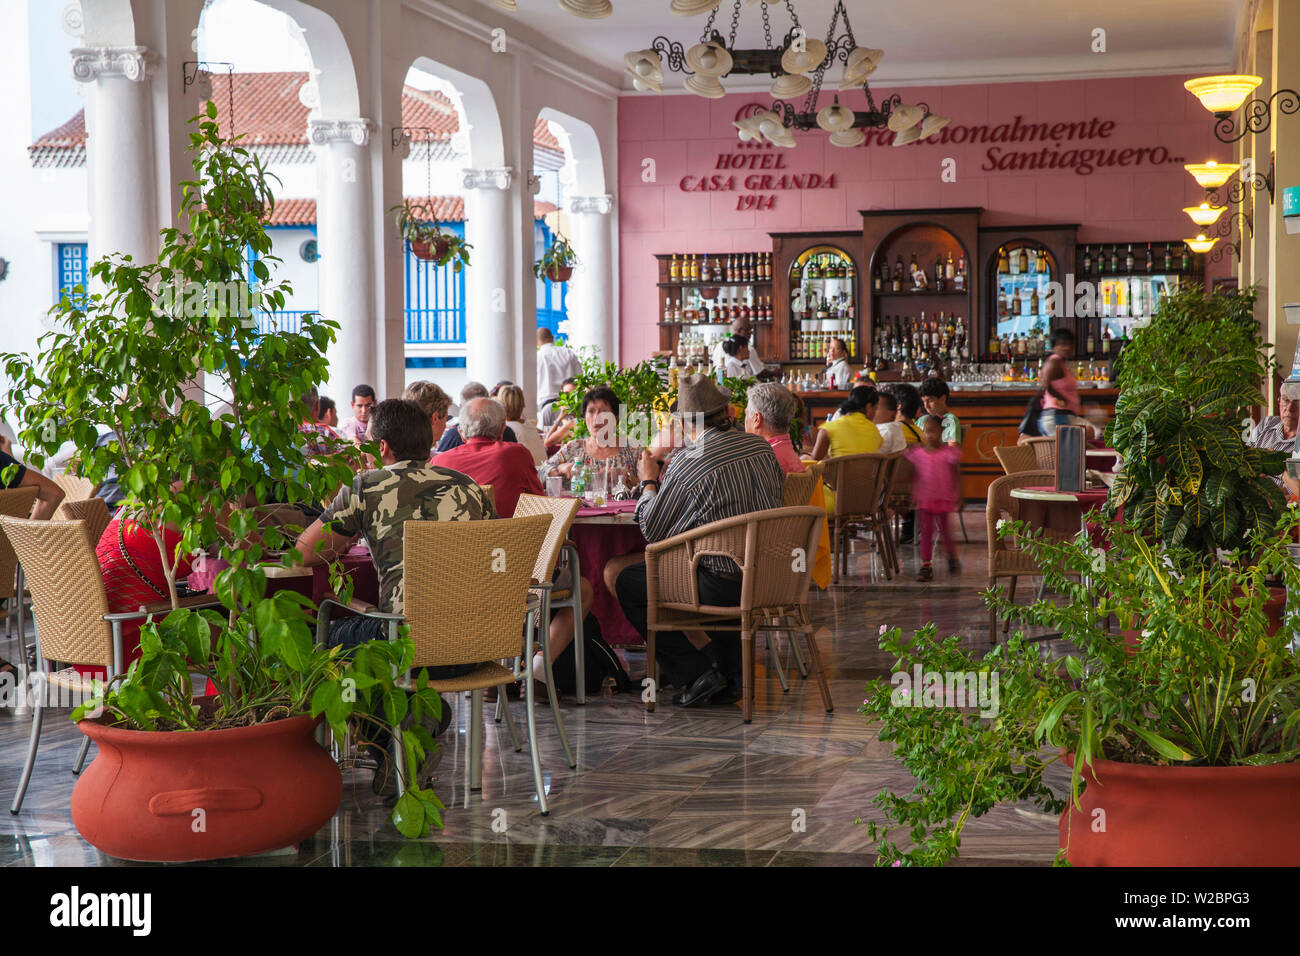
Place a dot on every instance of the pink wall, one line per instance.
(685, 135)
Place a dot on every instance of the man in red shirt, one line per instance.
(506, 466)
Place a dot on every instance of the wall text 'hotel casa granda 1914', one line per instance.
(759, 177)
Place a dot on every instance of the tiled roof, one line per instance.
(268, 112)
(302, 212)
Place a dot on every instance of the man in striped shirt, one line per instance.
(721, 472)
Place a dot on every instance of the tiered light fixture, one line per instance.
(797, 67)
(1224, 95)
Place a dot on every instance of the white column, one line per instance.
(119, 144)
(491, 335)
(347, 275)
(590, 301)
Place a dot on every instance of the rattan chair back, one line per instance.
(774, 549)
(1004, 556)
(466, 586)
(1045, 453)
(1016, 458)
(93, 511)
(68, 598)
(857, 482)
(75, 488)
(561, 511)
(15, 503)
(799, 487)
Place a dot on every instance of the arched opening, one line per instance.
(583, 218)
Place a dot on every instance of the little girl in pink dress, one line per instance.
(935, 493)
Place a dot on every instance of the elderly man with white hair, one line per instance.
(768, 413)
(506, 466)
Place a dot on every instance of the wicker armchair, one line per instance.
(73, 624)
(799, 487)
(477, 620)
(1005, 559)
(93, 511)
(1016, 458)
(1044, 453)
(772, 591)
(75, 488)
(14, 503)
(860, 483)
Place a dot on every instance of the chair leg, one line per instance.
(81, 756)
(650, 673)
(961, 519)
(579, 649)
(551, 693)
(747, 668)
(815, 653)
(835, 551)
(476, 734)
(879, 532)
(532, 746)
(35, 742)
(503, 710)
(798, 655)
(1011, 599)
(775, 658)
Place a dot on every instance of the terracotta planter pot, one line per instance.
(560, 273)
(1185, 816)
(260, 788)
(430, 250)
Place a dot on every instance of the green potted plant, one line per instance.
(238, 772)
(557, 262)
(415, 221)
(639, 389)
(1181, 750)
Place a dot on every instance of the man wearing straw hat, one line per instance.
(721, 472)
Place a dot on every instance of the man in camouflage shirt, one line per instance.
(376, 506)
(378, 503)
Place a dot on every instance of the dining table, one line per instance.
(1062, 512)
(601, 533)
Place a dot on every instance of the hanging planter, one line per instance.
(416, 223)
(557, 262)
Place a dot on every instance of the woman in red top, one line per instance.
(133, 576)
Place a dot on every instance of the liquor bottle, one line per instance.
(1004, 267)
(849, 271)
(668, 310)
(1114, 258)
(1087, 259)
(1148, 257)
(949, 271)
(1092, 343)
(1033, 301)
(767, 267)
(674, 270)
(1097, 261)
(898, 274)
(959, 281)
(1024, 259)
(1186, 262)
(677, 310)
(911, 269)
(938, 273)
(878, 283)
(1105, 341)
(796, 273)
(1128, 259)
(1169, 259)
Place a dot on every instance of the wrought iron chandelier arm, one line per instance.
(674, 53)
(1224, 229)
(1256, 116)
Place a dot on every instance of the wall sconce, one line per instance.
(1204, 214)
(1201, 243)
(1223, 95)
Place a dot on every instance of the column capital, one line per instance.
(133, 62)
(600, 205)
(493, 177)
(355, 131)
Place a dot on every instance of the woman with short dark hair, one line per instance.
(603, 447)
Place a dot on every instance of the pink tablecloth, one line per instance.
(596, 544)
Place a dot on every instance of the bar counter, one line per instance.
(991, 415)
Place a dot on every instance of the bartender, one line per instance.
(838, 373)
(754, 365)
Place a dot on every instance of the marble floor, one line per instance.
(675, 787)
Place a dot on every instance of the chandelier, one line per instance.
(798, 68)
